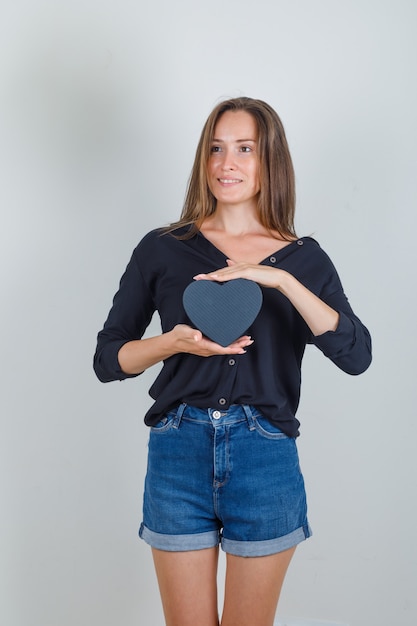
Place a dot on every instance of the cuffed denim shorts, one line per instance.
(223, 477)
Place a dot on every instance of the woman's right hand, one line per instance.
(137, 355)
(192, 341)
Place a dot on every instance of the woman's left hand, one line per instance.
(317, 314)
(261, 274)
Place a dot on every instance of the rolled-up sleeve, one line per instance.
(349, 346)
(128, 319)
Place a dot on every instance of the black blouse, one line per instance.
(268, 376)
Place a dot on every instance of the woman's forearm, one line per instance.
(136, 356)
(319, 316)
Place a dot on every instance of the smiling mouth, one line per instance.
(229, 181)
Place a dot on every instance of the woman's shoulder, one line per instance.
(162, 233)
(309, 241)
(312, 249)
(310, 244)
(156, 241)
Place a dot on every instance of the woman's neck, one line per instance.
(234, 221)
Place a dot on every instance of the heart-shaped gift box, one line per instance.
(222, 311)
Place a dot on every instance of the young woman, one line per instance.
(223, 466)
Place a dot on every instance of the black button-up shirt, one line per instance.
(268, 376)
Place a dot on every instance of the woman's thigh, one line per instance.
(253, 586)
(188, 586)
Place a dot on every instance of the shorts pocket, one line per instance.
(164, 424)
(268, 430)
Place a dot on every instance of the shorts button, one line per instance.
(217, 415)
(222, 401)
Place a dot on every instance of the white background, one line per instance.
(101, 105)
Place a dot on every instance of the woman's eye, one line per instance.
(215, 149)
(245, 149)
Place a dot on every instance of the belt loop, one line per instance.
(178, 417)
(249, 416)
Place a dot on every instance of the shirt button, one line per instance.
(300, 242)
(232, 361)
(222, 401)
(217, 415)
(272, 259)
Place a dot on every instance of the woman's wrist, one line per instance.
(285, 282)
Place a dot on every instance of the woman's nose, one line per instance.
(228, 160)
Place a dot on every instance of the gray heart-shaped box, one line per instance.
(222, 311)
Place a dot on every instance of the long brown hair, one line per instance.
(276, 201)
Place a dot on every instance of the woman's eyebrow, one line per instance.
(237, 140)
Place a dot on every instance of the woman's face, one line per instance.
(233, 167)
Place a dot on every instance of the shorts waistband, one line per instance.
(234, 414)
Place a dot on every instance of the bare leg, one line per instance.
(188, 586)
(253, 586)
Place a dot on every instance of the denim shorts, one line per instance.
(223, 477)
